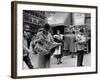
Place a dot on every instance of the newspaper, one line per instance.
(44, 46)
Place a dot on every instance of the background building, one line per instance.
(35, 19)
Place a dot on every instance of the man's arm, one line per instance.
(51, 37)
(27, 50)
(38, 37)
(81, 39)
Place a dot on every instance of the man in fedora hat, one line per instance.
(81, 40)
(26, 45)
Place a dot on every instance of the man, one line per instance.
(81, 39)
(26, 44)
(44, 60)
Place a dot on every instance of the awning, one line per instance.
(59, 18)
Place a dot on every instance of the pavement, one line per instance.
(67, 61)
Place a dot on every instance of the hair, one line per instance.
(82, 30)
(73, 32)
(47, 27)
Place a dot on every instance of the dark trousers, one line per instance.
(43, 61)
(80, 57)
(47, 61)
(28, 62)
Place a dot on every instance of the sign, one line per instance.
(78, 18)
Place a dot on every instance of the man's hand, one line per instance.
(30, 51)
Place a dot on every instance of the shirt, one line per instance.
(47, 37)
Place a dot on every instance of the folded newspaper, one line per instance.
(44, 46)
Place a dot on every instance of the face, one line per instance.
(27, 34)
(58, 32)
(45, 31)
(27, 31)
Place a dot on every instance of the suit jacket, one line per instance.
(81, 40)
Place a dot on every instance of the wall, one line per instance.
(5, 41)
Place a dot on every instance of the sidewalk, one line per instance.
(67, 61)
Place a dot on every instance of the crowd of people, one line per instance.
(30, 44)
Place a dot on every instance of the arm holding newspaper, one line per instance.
(44, 45)
(38, 38)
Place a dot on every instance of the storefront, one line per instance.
(35, 19)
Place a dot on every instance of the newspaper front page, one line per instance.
(44, 46)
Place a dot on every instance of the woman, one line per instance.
(58, 51)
